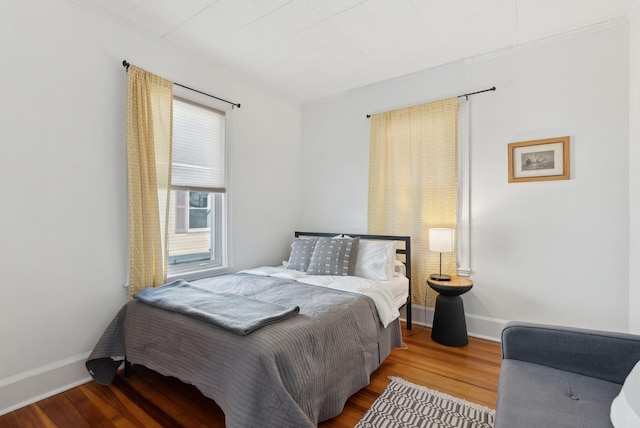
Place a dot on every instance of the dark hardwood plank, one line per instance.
(62, 412)
(91, 411)
(148, 399)
(190, 408)
(118, 405)
(27, 417)
(146, 405)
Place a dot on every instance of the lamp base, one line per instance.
(440, 277)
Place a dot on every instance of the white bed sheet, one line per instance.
(399, 286)
(388, 296)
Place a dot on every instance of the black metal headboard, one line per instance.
(406, 251)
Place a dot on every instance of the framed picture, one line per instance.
(539, 160)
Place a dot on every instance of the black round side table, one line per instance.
(449, 326)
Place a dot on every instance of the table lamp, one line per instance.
(441, 241)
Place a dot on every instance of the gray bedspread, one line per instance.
(293, 373)
(237, 313)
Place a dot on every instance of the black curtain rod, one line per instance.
(126, 65)
(465, 95)
(477, 92)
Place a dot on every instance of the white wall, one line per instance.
(634, 174)
(553, 252)
(63, 223)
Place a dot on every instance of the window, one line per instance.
(192, 211)
(196, 212)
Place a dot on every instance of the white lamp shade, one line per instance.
(441, 239)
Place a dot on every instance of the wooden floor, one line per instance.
(148, 399)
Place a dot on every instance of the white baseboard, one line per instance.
(477, 326)
(34, 385)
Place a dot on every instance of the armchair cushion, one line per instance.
(531, 395)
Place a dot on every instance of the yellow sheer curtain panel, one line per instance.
(149, 131)
(413, 183)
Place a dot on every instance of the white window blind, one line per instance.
(198, 148)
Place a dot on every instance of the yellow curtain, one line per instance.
(413, 183)
(149, 131)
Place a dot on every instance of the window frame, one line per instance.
(463, 225)
(218, 230)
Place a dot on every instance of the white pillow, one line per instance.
(376, 260)
(400, 269)
(625, 409)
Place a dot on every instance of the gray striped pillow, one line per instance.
(334, 256)
(301, 251)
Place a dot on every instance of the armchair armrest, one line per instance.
(609, 356)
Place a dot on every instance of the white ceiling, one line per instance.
(310, 49)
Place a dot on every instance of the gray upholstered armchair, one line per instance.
(561, 377)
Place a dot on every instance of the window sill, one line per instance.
(199, 274)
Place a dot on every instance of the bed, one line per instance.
(291, 371)
(402, 293)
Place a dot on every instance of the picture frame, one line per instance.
(539, 160)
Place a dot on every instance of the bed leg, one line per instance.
(408, 314)
(127, 368)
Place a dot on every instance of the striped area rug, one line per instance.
(404, 404)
